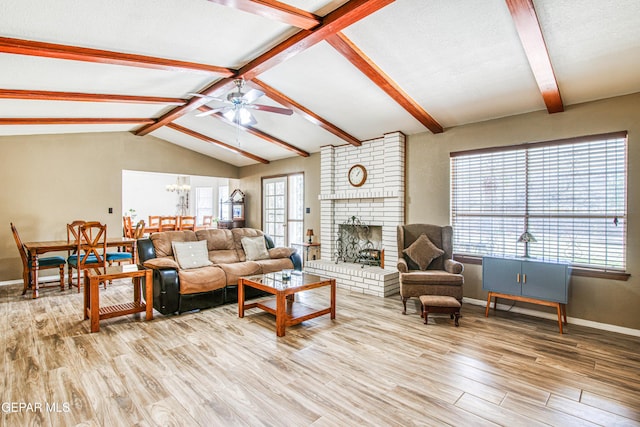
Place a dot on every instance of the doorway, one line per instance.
(283, 208)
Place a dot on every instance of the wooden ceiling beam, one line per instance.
(305, 112)
(42, 95)
(256, 132)
(276, 11)
(216, 142)
(347, 14)
(74, 121)
(75, 53)
(353, 54)
(528, 28)
(344, 16)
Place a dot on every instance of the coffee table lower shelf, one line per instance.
(296, 312)
(287, 311)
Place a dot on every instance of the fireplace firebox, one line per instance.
(359, 243)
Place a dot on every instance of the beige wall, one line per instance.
(251, 184)
(607, 301)
(38, 209)
(51, 180)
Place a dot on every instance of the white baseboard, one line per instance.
(553, 316)
(41, 279)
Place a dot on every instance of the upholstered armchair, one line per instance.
(425, 262)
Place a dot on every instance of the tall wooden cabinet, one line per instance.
(232, 211)
(528, 280)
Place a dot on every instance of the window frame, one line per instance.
(590, 271)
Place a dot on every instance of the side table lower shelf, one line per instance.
(92, 280)
(560, 307)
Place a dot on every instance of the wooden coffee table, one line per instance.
(287, 311)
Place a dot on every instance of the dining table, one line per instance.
(35, 249)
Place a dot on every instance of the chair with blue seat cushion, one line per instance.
(43, 262)
(73, 236)
(119, 257)
(91, 249)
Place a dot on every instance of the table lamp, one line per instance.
(526, 238)
(310, 233)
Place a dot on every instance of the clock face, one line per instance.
(357, 175)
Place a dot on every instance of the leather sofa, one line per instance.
(177, 290)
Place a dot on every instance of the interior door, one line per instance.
(274, 211)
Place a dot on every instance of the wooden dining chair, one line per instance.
(127, 226)
(186, 223)
(43, 262)
(154, 221)
(91, 249)
(138, 232)
(167, 223)
(73, 236)
(207, 220)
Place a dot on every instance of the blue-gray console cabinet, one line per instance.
(527, 280)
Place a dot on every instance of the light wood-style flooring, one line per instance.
(370, 366)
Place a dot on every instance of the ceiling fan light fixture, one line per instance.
(244, 116)
(230, 115)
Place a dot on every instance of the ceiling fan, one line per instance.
(238, 105)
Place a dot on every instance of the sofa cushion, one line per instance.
(159, 263)
(191, 254)
(254, 248)
(238, 269)
(423, 251)
(203, 279)
(162, 241)
(226, 256)
(281, 252)
(217, 239)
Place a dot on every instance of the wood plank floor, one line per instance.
(370, 366)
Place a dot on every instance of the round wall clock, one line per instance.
(357, 175)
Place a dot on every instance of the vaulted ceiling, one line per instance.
(349, 70)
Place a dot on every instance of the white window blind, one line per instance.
(569, 194)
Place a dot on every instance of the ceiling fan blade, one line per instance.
(252, 95)
(213, 111)
(212, 98)
(270, 109)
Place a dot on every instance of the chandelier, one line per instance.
(182, 188)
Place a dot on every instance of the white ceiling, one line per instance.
(461, 61)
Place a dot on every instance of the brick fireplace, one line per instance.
(378, 202)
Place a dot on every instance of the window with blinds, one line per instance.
(569, 194)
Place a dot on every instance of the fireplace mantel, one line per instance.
(351, 195)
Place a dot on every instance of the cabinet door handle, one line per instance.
(518, 278)
(524, 278)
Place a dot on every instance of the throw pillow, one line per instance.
(191, 254)
(254, 248)
(423, 251)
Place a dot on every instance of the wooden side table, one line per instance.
(306, 247)
(92, 280)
